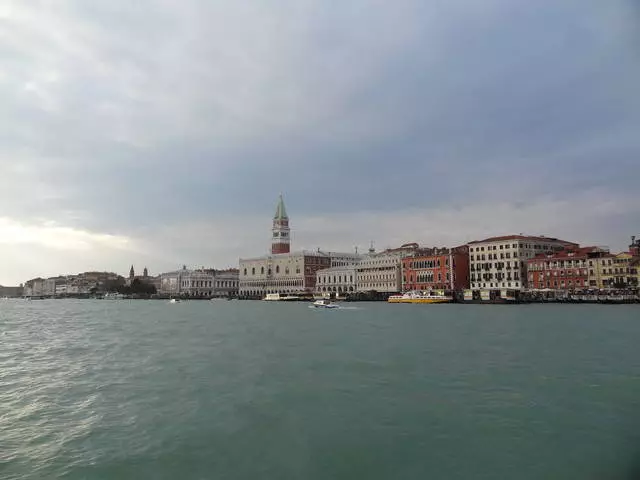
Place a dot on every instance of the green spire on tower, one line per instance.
(281, 212)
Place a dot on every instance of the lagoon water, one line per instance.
(257, 390)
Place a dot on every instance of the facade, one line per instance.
(199, 283)
(621, 272)
(443, 269)
(501, 262)
(287, 273)
(337, 280)
(568, 269)
(281, 234)
(226, 282)
(382, 272)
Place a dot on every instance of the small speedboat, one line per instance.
(324, 304)
(174, 300)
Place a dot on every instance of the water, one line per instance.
(256, 390)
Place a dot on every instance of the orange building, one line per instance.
(436, 268)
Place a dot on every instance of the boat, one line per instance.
(420, 297)
(324, 303)
(174, 300)
(276, 297)
(113, 296)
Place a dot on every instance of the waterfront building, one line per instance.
(619, 272)
(501, 262)
(199, 283)
(382, 272)
(226, 283)
(286, 273)
(338, 280)
(573, 268)
(436, 269)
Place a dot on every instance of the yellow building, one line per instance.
(616, 271)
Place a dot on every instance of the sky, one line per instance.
(160, 132)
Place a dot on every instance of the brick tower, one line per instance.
(280, 238)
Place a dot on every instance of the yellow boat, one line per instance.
(419, 297)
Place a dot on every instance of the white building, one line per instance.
(382, 272)
(337, 280)
(226, 283)
(501, 262)
(199, 283)
(285, 273)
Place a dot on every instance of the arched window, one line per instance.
(262, 270)
(253, 271)
(277, 268)
(286, 270)
(245, 271)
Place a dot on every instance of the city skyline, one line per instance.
(440, 124)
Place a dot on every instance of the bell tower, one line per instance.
(280, 238)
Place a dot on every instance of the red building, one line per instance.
(437, 268)
(567, 269)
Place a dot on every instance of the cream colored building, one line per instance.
(380, 272)
(501, 262)
(617, 271)
(199, 283)
(284, 273)
(337, 280)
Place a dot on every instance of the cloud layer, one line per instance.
(161, 132)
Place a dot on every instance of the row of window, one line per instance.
(497, 265)
(497, 276)
(563, 284)
(426, 277)
(531, 246)
(327, 279)
(273, 283)
(493, 256)
(336, 289)
(563, 273)
(286, 270)
(418, 264)
(496, 285)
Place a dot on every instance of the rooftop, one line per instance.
(570, 253)
(538, 238)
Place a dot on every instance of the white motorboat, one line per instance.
(324, 303)
(174, 300)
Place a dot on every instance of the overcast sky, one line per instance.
(161, 132)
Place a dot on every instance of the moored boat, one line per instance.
(420, 297)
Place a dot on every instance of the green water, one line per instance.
(257, 390)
